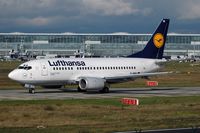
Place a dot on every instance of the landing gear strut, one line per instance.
(31, 88)
(105, 90)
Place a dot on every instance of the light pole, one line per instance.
(32, 51)
(6, 47)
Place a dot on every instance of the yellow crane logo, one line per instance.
(158, 40)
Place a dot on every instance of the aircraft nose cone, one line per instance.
(12, 75)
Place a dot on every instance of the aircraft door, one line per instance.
(44, 69)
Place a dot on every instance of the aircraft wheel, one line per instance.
(80, 90)
(31, 91)
(105, 90)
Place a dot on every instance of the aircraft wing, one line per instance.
(132, 77)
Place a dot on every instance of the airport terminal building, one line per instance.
(103, 45)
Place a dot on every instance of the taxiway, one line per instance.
(114, 92)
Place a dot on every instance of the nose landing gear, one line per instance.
(31, 91)
(31, 88)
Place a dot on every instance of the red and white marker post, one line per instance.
(130, 101)
(152, 83)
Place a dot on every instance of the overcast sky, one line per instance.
(98, 16)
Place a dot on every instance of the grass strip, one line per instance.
(99, 115)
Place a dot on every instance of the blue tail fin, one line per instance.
(155, 46)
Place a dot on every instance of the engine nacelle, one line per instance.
(91, 83)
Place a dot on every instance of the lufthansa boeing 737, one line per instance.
(94, 73)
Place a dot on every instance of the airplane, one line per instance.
(94, 73)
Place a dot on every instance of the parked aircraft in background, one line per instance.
(94, 73)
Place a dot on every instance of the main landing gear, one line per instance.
(80, 90)
(105, 90)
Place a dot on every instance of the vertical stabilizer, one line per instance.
(155, 46)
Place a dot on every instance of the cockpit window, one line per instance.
(25, 67)
(20, 67)
(28, 67)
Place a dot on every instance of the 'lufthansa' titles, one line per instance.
(66, 63)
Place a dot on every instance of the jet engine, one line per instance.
(91, 83)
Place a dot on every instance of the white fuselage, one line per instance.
(62, 71)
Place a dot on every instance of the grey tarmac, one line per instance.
(40, 94)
